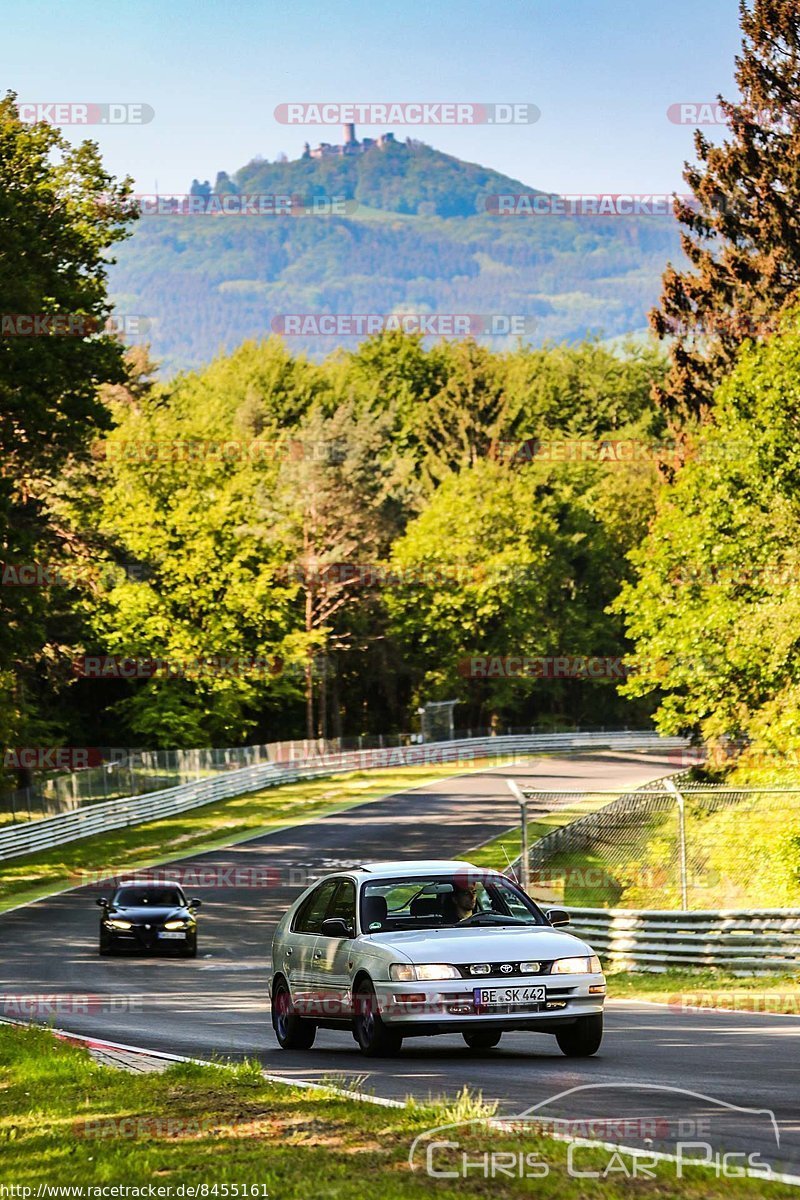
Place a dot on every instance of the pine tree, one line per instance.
(742, 230)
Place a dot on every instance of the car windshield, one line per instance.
(132, 897)
(438, 901)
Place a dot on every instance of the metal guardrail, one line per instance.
(119, 771)
(133, 810)
(755, 941)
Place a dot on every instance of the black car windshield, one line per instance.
(133, 897)
(438, 901)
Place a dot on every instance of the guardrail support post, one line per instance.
(521, 799)
(670, 786)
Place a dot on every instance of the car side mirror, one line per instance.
(101, 902)
(336, 927)
(557, 916)
(195, 903)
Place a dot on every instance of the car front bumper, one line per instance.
(139, 937)
(451, 1004)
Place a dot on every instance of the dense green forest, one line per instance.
(281, 544)
(357, 528)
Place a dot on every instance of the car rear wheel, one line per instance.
(482, 1039)
(374, 1038)
(583, 1038)
(292, 1032)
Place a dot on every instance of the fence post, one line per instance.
(521, 799)
(670, 786)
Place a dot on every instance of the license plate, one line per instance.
(172, 935)
(501, 996)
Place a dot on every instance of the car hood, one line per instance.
(479, 944)
(147, 912)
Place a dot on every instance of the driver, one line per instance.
(460, 905)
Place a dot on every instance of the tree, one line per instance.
(174, 490)
(508, 561)
(742, 232)
(60, 212)
(715, 606)
(333, 510)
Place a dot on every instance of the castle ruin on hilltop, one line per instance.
(351, 145)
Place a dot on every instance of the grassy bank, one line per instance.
(220, 824)
(692, 990)
(65, 1120)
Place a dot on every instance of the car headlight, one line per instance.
(588, 965)
(408, 973)
(118, 924)
(175, 924)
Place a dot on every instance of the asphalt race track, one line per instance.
(218, 1003)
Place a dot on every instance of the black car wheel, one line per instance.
(583, 1038)
(373, 1037)
(482, 1039)
(292, 1032)
(105, 948)
(190, 949)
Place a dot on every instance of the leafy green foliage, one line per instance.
(715, 605)
(60, 212)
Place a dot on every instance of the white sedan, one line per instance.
(401, 949)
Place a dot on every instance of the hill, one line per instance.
(413, 235)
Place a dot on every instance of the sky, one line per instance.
(602, 72)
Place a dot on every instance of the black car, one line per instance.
(146, 916)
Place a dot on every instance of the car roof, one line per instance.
(149, 883)
(416, 866)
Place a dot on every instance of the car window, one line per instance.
(343, 904)
(437, 901)
(131, 897)
(312, 913)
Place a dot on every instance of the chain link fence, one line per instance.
(673, 844)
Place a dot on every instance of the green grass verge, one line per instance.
(223, 823)
(65, 1120)
(709, 989)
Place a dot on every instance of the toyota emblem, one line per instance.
(506, 969)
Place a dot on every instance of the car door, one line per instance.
(299, 942)
(332, 956)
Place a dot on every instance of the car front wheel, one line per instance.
(583, 1038)
(292, 1032)
(373, 1036)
